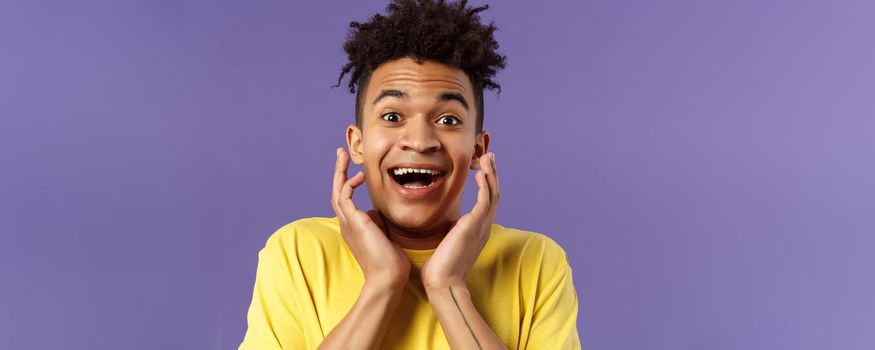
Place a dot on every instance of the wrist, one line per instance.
(441, 284)
(443, 293)
(393, 285)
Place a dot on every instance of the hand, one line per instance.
(456, 254)
(381, 260)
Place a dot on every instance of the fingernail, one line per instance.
(338, 152)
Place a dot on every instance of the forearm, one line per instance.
(366, 323)
(459, 318)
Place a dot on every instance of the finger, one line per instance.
(484, 163)
(493, 180)
(489, 175)
(340, 167)
(482, 205)
(486, 166)
(494, 167)
(345, 200)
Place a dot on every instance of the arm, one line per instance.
(271, 322)
(383, 263)
(460, 320)
(366, 323)
(554, 320)
(445, 272)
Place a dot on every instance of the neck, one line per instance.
(428, 238)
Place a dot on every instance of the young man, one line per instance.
(413, 273)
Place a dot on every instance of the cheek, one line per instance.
(462, 164)
(375, 148)
(463, 155)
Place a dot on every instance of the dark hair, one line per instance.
(424, 30)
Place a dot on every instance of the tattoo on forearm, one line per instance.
(464, 319)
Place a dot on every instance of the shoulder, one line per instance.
(305, 232)
(535, 254)
(542, 262)
(528, 244)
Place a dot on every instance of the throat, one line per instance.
(419, 240)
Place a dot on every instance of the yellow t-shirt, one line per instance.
(307, 280)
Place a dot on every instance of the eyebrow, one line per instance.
(453, 96)
(392, 93)
(445, 96)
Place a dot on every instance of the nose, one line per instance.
(419, 136)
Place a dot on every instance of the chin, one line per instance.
(412, 218)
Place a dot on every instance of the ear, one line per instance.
(354, 142)
(481, 146)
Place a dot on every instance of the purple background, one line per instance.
(708, 166)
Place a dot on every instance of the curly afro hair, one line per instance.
(424, 30)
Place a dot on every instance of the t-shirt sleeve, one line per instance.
(272, 323)
(554, 322)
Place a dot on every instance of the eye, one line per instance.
(391, 117)
(449, 120)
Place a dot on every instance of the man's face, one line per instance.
(417, 141)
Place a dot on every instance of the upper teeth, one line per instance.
(402, 171)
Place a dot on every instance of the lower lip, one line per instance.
(417, 193)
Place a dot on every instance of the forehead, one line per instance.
(426, 78)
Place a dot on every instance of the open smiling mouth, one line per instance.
(415, 179)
